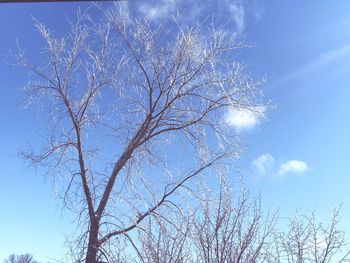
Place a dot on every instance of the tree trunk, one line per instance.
(91, 254)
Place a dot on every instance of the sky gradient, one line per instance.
(296, 155)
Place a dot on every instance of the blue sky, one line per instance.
(297, 157)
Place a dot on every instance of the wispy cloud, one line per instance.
(256, 9)
(320, 61)
(158, 10)
(243, 119)
(265, 165)
(191, 12)
(293, 166)
(237, 12)
(242, 10)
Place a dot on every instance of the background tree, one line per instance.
(25, 258)
(135, 113)
(229, 229)
(163, 239)
(310, 241)
(227, 226)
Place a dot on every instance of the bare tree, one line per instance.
(310, 241)
(232, 229)
(224, 228)
(135, 111)
(25, 258)
(163, 239)
(229, 229)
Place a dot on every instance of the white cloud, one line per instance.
(264, 163)
(324, 59)
(320, 61)
(244, 118)
(257, 9)
(159, 10)
(293, 166)
(237, 11)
